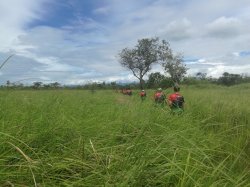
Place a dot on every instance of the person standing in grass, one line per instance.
(129, 92)
(143, 95)
(176, 101)
(159, 97)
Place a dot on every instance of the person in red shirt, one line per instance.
(176, 100)
(143, 95)
(129, 92)
(159, 97)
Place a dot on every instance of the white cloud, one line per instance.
(225, 27)
(215, 67)
(14, 16)
(237, 54)
(102, 10)
(202, 60)
(177, 30)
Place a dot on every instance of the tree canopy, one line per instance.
(140, 58)
(174, 66)
(156, 80)
(149, 51)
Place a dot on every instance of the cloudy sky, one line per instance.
(74, 41)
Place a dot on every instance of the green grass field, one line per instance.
(76, 138)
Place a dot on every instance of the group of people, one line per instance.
(175, 100)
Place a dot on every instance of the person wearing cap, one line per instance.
(176, 101)
(159, 96)
(143, 95)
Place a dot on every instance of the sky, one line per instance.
(78, 41)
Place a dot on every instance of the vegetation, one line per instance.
(103, 138)
(175, 68)
(172, 63)
(227, 79)
(5, 61)
(155, 80)
(141, 58)
(230, 79)
(151, 51)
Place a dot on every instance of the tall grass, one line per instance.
(79, 138)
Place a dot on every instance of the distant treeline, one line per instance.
(227, 79)
(155, 80)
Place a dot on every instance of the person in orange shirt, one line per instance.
(176, 101)
(143, 95)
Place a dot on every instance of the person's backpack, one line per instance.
(129, 92)
(178, 102)
(159, 97)
(143, 94)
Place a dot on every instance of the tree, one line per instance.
(141, 58)
(173, 65)
(113, 85)
(37, 85)
(229, 79)
(8, 83)
(46, 86)
(201, 76)
(55, 84)
(155, 79)
(166, 82)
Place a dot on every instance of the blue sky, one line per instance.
(77, 41)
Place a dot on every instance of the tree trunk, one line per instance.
(141, 83)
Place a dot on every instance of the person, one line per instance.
(124, 91)
(129, 92)
(143, 95)
(176, 101)
(159, 96)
